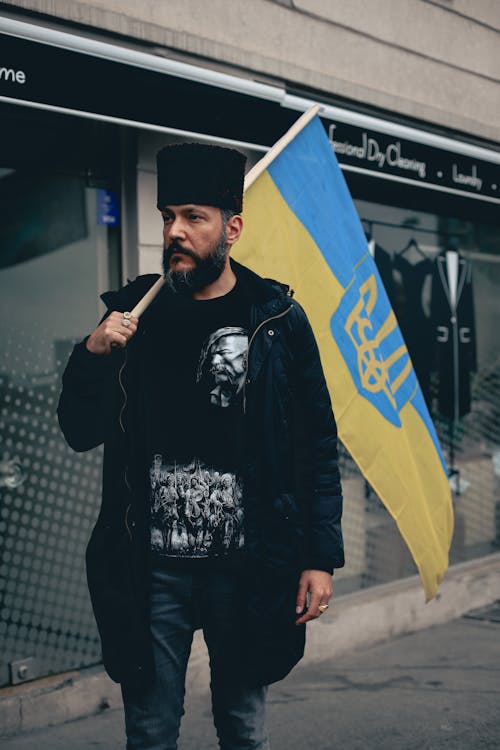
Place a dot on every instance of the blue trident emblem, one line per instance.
(373, 347)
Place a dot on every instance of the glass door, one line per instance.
(54, 262)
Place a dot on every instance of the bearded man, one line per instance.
(177, 393)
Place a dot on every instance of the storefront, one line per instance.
(429, 207)
(81, 121)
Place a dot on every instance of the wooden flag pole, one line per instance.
(250, 178)
(144, 303)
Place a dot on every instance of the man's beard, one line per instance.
(205, 272)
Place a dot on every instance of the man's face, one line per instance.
(195, 247)
(228, 359)
(225, 364)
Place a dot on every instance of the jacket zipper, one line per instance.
(126, 521)
(125, 397)
(120, 420)
(264, 322)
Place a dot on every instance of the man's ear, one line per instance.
(234, 227)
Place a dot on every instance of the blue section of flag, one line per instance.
(320, 198)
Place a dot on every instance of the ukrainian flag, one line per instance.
(301, 227)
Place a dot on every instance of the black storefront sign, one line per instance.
(386, 155)
(73, 80)
(49, 75)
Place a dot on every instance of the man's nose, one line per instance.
(176, 229)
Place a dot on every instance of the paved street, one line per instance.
(439, 688)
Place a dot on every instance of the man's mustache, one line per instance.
(174, 247)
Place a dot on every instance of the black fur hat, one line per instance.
(202, 174)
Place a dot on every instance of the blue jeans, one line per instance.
(180, 603)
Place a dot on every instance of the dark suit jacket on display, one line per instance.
(455, 338)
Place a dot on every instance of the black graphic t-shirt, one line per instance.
(194, 397)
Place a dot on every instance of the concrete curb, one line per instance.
(377, 614)
(353, 621)
(55, 700)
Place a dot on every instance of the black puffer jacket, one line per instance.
(292, 501)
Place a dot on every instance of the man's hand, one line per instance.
(112, 331)
(318, 583)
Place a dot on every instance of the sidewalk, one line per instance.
(437, 688)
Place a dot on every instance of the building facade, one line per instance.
(409, 94)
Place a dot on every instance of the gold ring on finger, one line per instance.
(127, 315)
(322, 608)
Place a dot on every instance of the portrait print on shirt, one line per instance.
(195, 510)
(196, 490)
(222, 365)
